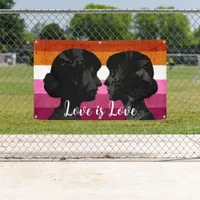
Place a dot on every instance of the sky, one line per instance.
(121, 4)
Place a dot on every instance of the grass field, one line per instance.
(16, 108)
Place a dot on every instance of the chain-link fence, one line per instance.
(22, 136)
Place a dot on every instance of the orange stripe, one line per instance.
(46, 57)
(122, 45)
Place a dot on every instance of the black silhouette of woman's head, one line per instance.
(73, 76)
(131, 76)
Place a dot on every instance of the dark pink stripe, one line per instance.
(39, 87)
(45, 113)
(45, 101)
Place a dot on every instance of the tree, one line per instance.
(6, 4)
(106, 26)
(146, 26)
(52, 32)
(175, 28)
(29, 37)
(12, 28)
(196, 34)
(37, 28)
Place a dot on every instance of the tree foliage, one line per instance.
(197, 35)
(6, 4)
(12, 28)
(52, 32)
(37, 28)
(29, 37)
(175, 28)
(106, 26)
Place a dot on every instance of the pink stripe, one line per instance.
(45, 101)
(162, 85)
(39, 87)
(102, 100)
(45, 113)
(156, 101)
(102, 89)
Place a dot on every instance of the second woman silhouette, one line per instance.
(131, 81)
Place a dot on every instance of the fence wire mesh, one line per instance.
(24, 137)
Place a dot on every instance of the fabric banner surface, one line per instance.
(100, 80)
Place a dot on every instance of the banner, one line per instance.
(100, 80)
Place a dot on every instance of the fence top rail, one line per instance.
(67, 11)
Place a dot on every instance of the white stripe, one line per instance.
(41, 70)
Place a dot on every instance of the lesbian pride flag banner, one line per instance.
(100, 80)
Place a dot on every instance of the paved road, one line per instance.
(100, 180)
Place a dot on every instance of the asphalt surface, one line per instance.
(99, 180)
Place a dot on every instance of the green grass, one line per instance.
(16, 108)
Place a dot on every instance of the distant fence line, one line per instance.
(96, 11)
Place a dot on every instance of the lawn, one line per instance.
(16, 108)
